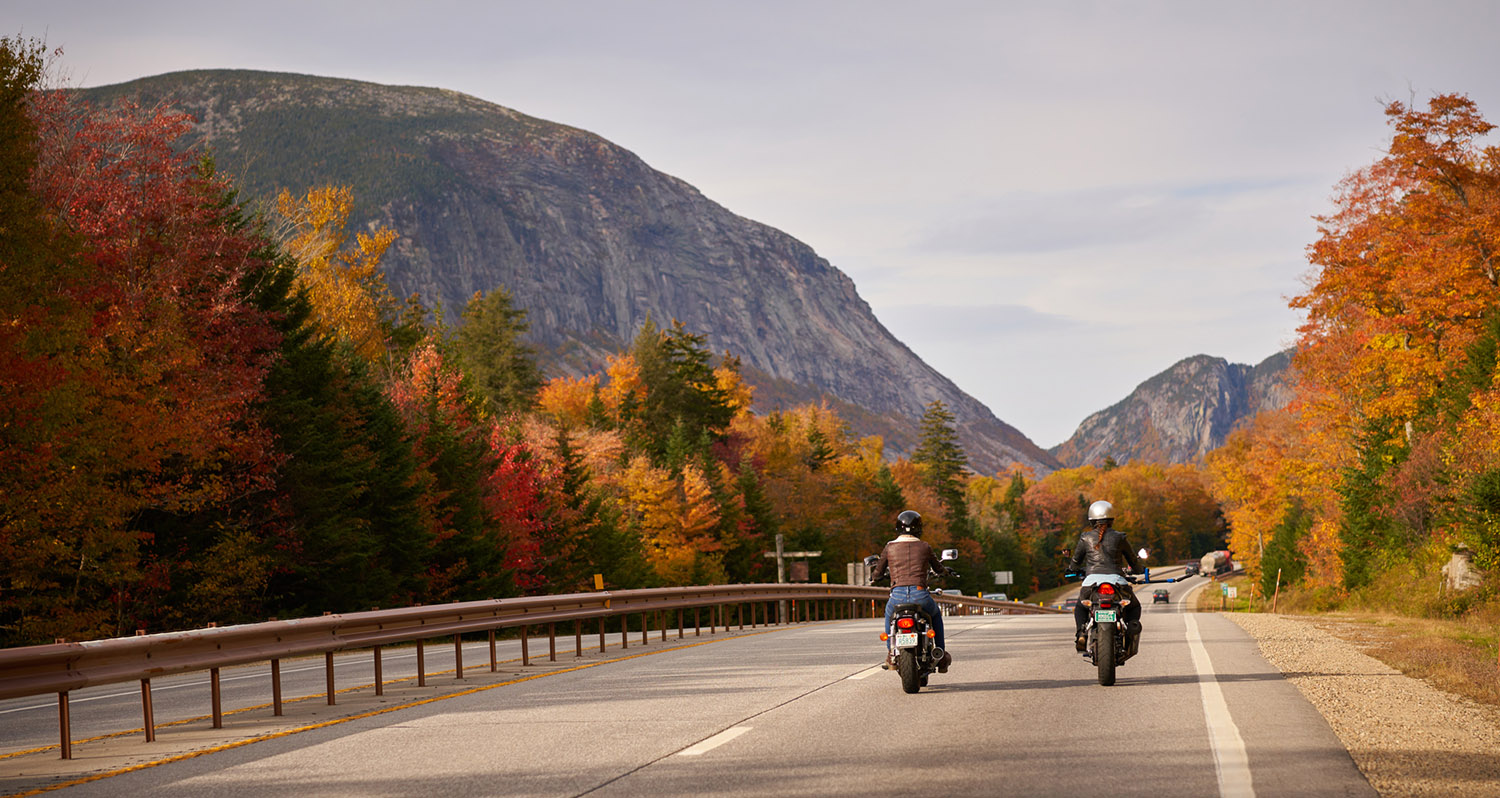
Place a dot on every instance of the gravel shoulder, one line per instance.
(1407, 737)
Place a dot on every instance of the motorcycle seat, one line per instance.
(914, 609)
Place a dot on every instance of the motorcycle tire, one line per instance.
(911, 677)
(1104, 654)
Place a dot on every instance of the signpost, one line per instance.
(782, 556)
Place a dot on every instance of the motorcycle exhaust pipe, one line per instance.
(937, 653)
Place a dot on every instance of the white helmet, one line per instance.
(1101, 511)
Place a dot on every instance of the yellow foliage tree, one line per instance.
(676, 518)
(567, 399)
(343, 279)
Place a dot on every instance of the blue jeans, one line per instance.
(920, 597)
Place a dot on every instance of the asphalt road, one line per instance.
(803, 711)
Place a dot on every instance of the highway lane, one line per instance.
(804, 711)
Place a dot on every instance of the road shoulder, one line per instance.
(1406, 737)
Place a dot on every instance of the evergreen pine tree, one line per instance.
(489, 347)
(944, 464)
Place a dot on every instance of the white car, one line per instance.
(995, 597)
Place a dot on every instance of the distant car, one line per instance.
(1191, 569)
(994, 597)
(1069, 604)
(1160, 595)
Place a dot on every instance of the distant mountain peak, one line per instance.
(1181, 414)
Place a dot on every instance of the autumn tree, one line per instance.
(153, 355)
(342, 278)
(1405, 276)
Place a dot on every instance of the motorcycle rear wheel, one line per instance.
(906, 665)
(1105, 654)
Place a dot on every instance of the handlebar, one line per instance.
(1143, 579)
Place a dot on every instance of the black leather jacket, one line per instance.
(1094, 555)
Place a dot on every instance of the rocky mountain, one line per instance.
(588, 238)
(1180, 414)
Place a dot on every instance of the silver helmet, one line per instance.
(1101, 511)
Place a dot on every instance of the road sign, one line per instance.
(1005, 577)
(1234, 592)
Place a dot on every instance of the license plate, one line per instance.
(908, 640)
(1104, 616)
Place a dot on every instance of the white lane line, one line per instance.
(865, 674)
(1230, 760)
(714, 741)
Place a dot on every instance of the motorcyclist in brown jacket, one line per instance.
(906, 560)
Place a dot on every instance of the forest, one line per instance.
(214, 411)
(1388, 459)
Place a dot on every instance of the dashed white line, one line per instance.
(714, 741)
(1230, 760)
(865, 674)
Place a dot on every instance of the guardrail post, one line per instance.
(645, 628)
(525, 650)
(328, 667)
(379, 675)
(421, 664)
(679, 624)
(494, 662)
(577, 639)
(64, 725)
(551, 642)
(697, 623)
(214, 698)
(661, 620)
(739, 612)
(624, 632)
(458, 656)
(276, 687)
(146, 710)
(601, 634)
(713, 618)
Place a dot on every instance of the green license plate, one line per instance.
(1104, 616)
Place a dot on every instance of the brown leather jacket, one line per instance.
(906, 559)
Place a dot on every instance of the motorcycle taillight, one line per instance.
(905, 623)
(1106, 589)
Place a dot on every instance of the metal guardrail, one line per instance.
(62, 667)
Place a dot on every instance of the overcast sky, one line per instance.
(1048, 201)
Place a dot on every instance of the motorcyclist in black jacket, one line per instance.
(1098, 555)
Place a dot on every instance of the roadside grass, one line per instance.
(1405, 619)
(1212, 598)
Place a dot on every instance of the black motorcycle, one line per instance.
(1108, 641)
(912, 640)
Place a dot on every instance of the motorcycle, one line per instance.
(1108, 640)
(912, 640)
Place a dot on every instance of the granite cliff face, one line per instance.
(588, 238)
(1180, 414)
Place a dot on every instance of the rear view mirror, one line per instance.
(1142, 554)
(948, 554)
